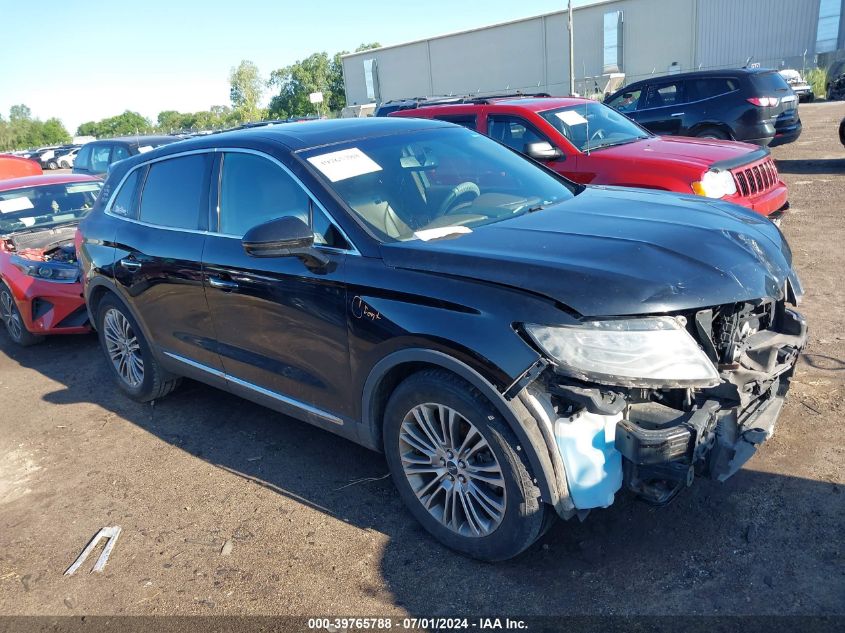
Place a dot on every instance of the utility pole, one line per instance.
(571, 51)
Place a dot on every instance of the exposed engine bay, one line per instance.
(656, 441)
(49, 245)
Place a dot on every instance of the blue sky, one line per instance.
(90, 59)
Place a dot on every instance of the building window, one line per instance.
(612, 42)
(827, 33)
(371, 79)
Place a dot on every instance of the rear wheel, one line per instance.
(64, 165)
(460, 469)
(129, 356)
(713, 133)
(11, 317)
(52, 164)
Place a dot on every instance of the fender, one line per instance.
(106, 282)
(520, 421)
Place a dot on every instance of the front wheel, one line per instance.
(713, 133)
(129, 356)
(12, 319)
(459, 467)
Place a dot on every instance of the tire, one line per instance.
(13, 321)
(64, 165)
(713, 133)
(487, 521)
(128, 354)
(811, 97)
(52, 165)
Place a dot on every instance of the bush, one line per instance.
(817, 78)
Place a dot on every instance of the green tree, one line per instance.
(54, 132)
(246, 90)
(125, 124)
(296, 82)
(19, 113)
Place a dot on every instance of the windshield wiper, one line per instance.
(615, 143)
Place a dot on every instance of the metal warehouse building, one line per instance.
(634, 37)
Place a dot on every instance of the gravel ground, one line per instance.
(228, 508)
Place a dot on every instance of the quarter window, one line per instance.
(174, 191)
(124, 201)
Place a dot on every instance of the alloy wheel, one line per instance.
(123, 348)
(10, 316)
(452, 470)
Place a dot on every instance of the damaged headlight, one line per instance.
(51, 271)
(647, 352)
(715, 184)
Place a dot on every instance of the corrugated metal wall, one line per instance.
(532, 54)
(730, 31)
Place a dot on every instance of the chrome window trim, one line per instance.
(325, 415)
(222, 150)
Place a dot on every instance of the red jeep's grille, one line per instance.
(756, 179)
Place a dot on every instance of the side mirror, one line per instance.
(278, 238)
(541, 151)
(285, 237)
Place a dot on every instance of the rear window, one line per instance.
(47, 205)
(768, 84)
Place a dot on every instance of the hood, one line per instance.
(694, 152)
(616, 251)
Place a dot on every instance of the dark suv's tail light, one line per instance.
(763, 102)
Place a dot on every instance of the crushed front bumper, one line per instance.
(666, 442)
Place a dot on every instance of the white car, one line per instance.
(66, 161)
(801, 88)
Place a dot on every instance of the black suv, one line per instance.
(519, 346)
(96, 157)
(745, 104)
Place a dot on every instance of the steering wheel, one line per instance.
(463, 189)
(598, 135)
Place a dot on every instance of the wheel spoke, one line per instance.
(123, 348)
(452, 470)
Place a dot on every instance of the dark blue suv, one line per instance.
(745, 104)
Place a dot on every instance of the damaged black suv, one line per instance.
(518, 346)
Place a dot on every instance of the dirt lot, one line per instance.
(228, 508)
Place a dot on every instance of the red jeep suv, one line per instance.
(591, 143)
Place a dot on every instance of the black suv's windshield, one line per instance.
(592, 125)
(46, 205)
(434, 183)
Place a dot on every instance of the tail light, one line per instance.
(763, 102)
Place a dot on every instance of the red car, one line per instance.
(591, 143)
(40, 289)
(15, 167)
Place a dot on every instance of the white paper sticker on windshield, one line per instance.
(346, 163)
(15, 204)
(144, 149)
(432, 234)
(27, 222)
(571, 117)
(93, 186)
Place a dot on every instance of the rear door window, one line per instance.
(665, 95)
(708, 87)
(175, 191)
(467, 120)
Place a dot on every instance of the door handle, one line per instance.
(677, 114)
(222, 284)
(130, 264)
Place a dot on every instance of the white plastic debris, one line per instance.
(110, 533)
